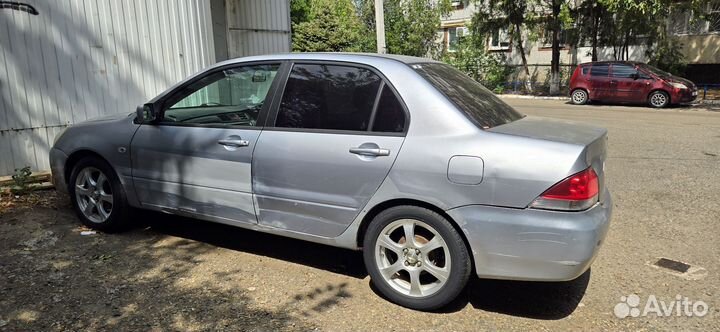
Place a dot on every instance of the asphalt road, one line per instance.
(663, 170)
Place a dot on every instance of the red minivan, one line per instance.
(628, 82)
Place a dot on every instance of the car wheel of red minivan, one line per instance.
(658, 99)
(579, 97)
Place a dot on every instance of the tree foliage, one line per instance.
(471, 58)
(513, 15)
(330, 26)
(411, 26)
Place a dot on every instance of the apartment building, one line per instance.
(700, 41)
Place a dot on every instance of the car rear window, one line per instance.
(479, 104)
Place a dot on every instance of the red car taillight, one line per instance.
(576, 192)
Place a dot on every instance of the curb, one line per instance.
(511, 96)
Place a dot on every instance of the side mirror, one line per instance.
(635, 75)
(145, 113)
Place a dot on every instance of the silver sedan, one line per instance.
(413, 162)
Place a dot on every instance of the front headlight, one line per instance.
(678, 85)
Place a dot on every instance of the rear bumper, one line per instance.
(57, 166)
(531, 244)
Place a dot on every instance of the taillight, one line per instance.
(576, 192)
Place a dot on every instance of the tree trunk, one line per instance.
(555, 62)
(626, 44)
(521, 49)
(595, 24)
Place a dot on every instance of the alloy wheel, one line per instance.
(579, 97)
(658, 99)
(93, 194)
(412, 258)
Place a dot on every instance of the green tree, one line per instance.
(594, 25)
(648, 18)
(554, 23)
(331, 26)
(299, 11)
(411, 26)
(514, 15)
(471, 58)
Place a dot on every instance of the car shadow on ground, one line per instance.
(537, 300)
(337, 260)
(645, 106)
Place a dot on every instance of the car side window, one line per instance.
(599, 70)
(333, 97)
(623, 71)
(232, 96)
(390, 115)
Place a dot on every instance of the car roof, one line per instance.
(334, 56)
(611, 62)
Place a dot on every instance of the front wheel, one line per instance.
(416, 258)
(659, 99)
(579, 97)
(98, 196)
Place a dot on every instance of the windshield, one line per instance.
(654, 70)
(479, 104)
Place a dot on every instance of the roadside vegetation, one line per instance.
(412, 27)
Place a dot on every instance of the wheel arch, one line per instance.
(667, 93)
(583, 88)
(375, 210)
(78, 155)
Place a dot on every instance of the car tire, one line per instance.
(97, 195)
(424, 274)
(579, 97)
(658, 99)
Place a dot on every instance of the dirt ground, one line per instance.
(176, 274)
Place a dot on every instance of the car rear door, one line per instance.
(336, 132)
(599, 85)
(196, 158)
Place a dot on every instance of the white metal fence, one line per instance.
(78, 59)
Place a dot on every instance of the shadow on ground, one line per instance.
(537, 300)
(636, 105)
(337, 260)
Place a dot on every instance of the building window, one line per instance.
(713, 16)
(687, 22)
(547, 38)
(458, 4)
(499, 40)
(454, 35)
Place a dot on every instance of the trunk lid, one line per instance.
(593, 140)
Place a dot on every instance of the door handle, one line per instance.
(236, 143)
(613, 82)
(373, 152)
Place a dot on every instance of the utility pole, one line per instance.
(380, 26)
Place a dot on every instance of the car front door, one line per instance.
(627, 83)
(196, 158)
(337, 131)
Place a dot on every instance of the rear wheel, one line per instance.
(416, 258)
(658, 99)
(97, 195)
(579, 97)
